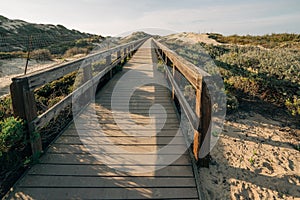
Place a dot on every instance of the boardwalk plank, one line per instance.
(107, 182)
(104, 171)
(90, 159)
(105, 193)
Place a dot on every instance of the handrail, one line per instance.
(200, 117)
(41, 77)
(22, 87)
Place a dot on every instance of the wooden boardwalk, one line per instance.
(104, 154)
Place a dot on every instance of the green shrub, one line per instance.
(74, 51)
(10, 55)
(251, 71)
(232, 103)
(41, 55)
(81, 43)
(293, 105)
(12, 133)
(268, 41)
(53, 92)
(5, 108)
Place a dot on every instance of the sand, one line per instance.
(193, 38)
(254, 158)
(15, 67)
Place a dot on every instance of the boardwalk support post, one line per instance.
(205, 126)
(118, 54)
(24, 106)
(107, 63)
(197, 133)
(203, 112)
(173, 89)
(125, 53)
(87, 75)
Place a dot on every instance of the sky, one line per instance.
(118, 17)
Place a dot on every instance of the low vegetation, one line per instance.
(45, 41)
(5, 107)
(271, 75)
(53, 92)
(268, 41)
(18, 35)
(75, 50)
(12, 134)
(41, 55)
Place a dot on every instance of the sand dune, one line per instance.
(255, 158)
(193, 38)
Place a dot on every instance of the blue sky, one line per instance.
(114, 17)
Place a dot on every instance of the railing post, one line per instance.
(197, 133)
(206, 113)
(107, 63)
(130, 50)
(173, 89)
(125, 53)
(203, 112)
(24, 106)
(166, 59)
(87, 75)
(118, 54)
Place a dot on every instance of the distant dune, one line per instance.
(192, 38)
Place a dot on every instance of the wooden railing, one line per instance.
(22, 87)
(199, 116)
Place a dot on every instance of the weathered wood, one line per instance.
(107, 63)
(197, 132)
(73, 131)
(189, 71)
(44, 118)
(121, 140)
(24, 107)
(88, 182)
(144, 149)
(105, 171)
(17, 95)
(125, 55)
(184, 104)
(39, 78)
(89, 84)
(68, 170)
(88, 159)
(173, 73)
(87, 72)
(107, 193)
(108, 60)
(206, 112)
(201, 117)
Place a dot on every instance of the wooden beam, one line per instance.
(197, 131)
(206, 113)
(24, 106)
